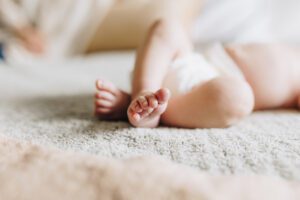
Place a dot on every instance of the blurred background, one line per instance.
(52, 51)
(64, 28)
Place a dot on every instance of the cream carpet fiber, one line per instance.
(51, 104)
(54, 174)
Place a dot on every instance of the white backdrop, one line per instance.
(249, 21)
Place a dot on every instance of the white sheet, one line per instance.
(77, 74)
(248, 21)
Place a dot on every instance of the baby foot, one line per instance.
(146, 109)
(111, 103)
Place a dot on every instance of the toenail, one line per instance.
(137, 107)
(150, 110)
(155, 103)
(141, 99)
(136, 117)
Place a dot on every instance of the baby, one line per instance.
(174, 86)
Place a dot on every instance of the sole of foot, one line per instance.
(145, 110)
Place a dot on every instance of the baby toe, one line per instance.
(136, 116)
(103, 85)
(105, 95)
(101, 110)
(103, 103)
(152, 101)
(163, 95)
(144, 114)
(132, 114)
(135, 107)
(143, 102)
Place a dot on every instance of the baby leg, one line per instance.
(218, 103)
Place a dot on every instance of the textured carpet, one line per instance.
(55, 174)
(52, 105)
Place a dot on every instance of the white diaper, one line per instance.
(192, 69)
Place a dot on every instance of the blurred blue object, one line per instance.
(1, 51)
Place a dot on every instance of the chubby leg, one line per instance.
(167, 39)
(218, 103)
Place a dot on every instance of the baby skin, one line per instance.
(144, 111)
(272, 80)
